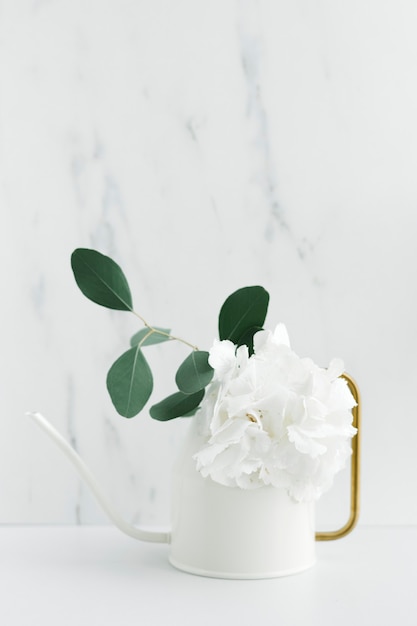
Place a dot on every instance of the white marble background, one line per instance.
(205, 146)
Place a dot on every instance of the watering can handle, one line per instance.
(86, 474)
(354, 471)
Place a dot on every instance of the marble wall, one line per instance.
(205, 146)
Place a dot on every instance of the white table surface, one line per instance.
(92, 575)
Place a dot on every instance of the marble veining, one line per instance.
(251, 52)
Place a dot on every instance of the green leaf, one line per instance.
(194, 373)
(151, 339)
(191, 413)
(247, 338)
(101, 279)
(243, 310)
(130, 382)
(177, 405)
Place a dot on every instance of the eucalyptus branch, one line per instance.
(161, 332)
(130, 379)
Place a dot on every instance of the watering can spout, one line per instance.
(89, 478)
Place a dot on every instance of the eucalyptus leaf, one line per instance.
(101, 279)
(152, 338)
(247, 338)
(130, 382)
(194, 373)
(179, 404)
(191, 413)
(241, 311)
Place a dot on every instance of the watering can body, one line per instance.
(229, 532)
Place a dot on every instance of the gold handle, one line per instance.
(354, 472)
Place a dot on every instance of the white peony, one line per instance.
(274, 418)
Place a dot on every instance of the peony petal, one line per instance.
(335, 369)
(206, 455)
(304, 443)
(281, 335)
(231, 431)
(340, 395)
(222, 357)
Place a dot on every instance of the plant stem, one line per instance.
(161, 332)
(142, 341)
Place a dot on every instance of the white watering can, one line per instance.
(228, 532)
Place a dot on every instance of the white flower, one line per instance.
(274, 418)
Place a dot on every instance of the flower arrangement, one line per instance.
(269, 416)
